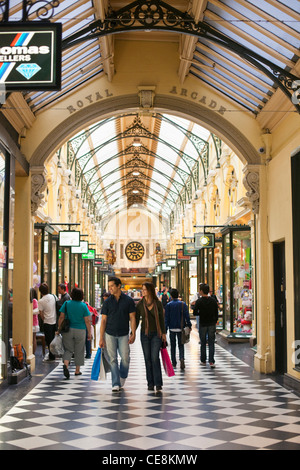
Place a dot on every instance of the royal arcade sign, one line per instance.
(30, 56)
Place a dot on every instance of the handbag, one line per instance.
(167, 364)
(65, 324)
(185, 331)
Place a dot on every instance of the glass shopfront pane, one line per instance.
(218, 280)
(2, 260)
(210, 268)
(218, 271)
(76, 263)
(37, 258)
(53, 266)
(226, 295)
(66, 278)
(242, 282)
(46, 258)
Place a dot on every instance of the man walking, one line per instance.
(117, 311)
(207, 309)
(176, 317)
(64, 296)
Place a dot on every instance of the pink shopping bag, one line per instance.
(167, 362)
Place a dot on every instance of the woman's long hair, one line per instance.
(151, 291)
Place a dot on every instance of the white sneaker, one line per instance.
(116, 388)
(122, 382)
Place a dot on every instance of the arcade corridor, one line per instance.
(231, 407)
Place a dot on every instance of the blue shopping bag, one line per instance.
(96, 365)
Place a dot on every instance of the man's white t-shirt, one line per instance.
(47, 304)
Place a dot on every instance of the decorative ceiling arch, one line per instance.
(145, 176)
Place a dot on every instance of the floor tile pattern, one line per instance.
(230, 407)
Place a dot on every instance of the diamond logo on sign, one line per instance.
(28, 70)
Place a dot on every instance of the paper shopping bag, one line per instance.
(96, 365)
(102, 374)
(167, 362)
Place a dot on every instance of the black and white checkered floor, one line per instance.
(226, 408)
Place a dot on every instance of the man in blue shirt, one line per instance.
(176, 317)
(117, 311)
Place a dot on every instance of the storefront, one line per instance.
(209, 271)
(7, 203)
(55, 264)
(238, 282)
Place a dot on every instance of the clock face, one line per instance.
(204, 240)
(134, 251)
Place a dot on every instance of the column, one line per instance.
(22, 277)
(255, 181)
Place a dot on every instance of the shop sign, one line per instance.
(190, 250)
(171, 263)
(83, 248)
(99, 262)
(164, 267)
(91, 254)
(204, 240)
(69, 238)
(181, 257)
(30, 56)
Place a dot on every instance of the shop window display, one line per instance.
(242, 283)
(237, 299)
(2, 255)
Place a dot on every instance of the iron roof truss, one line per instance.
(158, 15)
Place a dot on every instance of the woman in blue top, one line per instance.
(74, 340)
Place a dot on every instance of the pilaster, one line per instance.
(255, 181)
(22, 279)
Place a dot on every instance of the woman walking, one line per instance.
(74, 340)
(150, 310)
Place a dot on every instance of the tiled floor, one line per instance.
(227, 408)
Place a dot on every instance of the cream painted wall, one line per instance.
(138, 64)
(280, 221)
(136, 224)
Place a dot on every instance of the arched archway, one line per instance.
(210, 119)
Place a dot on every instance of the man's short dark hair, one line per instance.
(115, 280)
(62, 286)
(44, 289)
(77, 294)
(204, 288)
(174, 293)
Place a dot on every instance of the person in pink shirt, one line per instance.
(35, 321)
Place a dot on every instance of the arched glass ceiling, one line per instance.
(157, 169)
(270, 28)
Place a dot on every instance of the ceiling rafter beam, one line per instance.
(159, 16)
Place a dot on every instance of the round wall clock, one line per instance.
(134, 251)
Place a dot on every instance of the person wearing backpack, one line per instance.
(47, 309)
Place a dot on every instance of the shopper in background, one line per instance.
(47, 309)
(64, 296)
(74, 340)
(176, 317)
(35, 320)
(207, 309)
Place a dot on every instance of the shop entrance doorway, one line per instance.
(280, 307)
